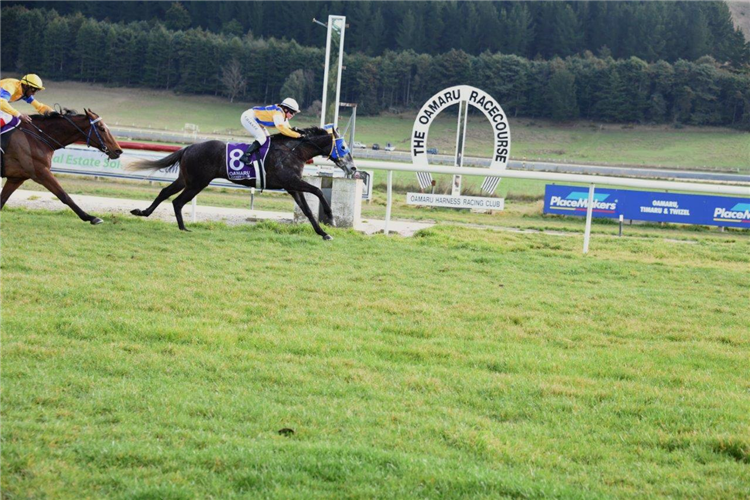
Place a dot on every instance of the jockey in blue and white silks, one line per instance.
(255, 120)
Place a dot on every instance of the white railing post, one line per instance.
(589, 213)
(388, 203)
(195, 203)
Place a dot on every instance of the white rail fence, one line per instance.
(88, 162)
(591, 180)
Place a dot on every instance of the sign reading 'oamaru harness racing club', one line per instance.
(468, 96)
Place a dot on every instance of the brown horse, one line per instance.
(30, 148)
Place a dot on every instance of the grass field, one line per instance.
(703, 148)
(140, 362)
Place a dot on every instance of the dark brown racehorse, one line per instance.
(203, 162)
(30, 149)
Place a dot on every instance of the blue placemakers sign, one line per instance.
(649, 206)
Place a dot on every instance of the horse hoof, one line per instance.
(327, 237)
(96, 220)
(137, 211)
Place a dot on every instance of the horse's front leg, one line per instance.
(296, 184)
(46, 179)
(302, 202)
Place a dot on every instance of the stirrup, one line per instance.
(245, 158)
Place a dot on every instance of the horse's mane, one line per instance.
(54, 114)
(310, 132)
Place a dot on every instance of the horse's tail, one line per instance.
(172, 161)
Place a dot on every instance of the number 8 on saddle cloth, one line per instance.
(253, 169)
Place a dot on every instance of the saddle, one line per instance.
(252, 169)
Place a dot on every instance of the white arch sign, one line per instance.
(470, 96)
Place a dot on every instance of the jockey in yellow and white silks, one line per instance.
(12, 90)
(255, 120)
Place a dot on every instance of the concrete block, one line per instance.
(344, 196)
(346, 201)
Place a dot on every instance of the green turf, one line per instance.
(141, 362)
(706, 148)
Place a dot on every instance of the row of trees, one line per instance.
(197, 61)
(649, 30)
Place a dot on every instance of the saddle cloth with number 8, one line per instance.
(254, 169)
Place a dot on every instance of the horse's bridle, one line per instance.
(92, 128)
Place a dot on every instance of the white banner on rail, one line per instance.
(79, 160)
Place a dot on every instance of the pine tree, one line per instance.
(89, 43)
(520, 30)
(10, 36)
(32, 25)
(407, 32)
(634, 75)
(57, 43)
(561, 94)
(177, 18)
(697, 34)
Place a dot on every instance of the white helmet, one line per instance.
(291, 104)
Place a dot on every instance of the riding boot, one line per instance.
(255, 146)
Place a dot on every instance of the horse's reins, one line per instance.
(104, 149)
(39, 137)
(333, 145)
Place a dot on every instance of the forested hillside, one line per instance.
(598, 86)
(648, 30)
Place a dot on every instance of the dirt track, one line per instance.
(42, 200)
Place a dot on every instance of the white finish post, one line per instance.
(195, 204)
(336, 28)
(589, 213)
(342, 26)
(325, 75)
(388, 203)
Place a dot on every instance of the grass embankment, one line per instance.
(140, 362)
(704, 148)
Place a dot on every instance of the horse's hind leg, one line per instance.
(46, 179)
(302, 202)
(11, 185)
(184, 197)
(165, 193)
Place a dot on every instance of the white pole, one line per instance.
(338, 76)
(325, 75)
(195, 203)
(589, 213)
(388, 203)
(463, 111)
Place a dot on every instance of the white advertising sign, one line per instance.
(442, 200)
